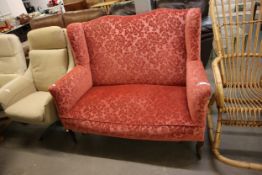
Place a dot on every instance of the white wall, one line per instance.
(13, 7)
(16, 7)
(142, 6)
(39, 3)
(4, 8)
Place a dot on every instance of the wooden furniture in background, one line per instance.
(75, 5)
(105, 5)
(237, 70)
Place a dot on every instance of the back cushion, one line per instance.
(143, 49)
(12, 60)
(48, 56)
(47, 66)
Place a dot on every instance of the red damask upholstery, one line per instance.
(137, 77)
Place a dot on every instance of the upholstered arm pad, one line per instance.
(70, 88)
(198, 91)
(15, 90)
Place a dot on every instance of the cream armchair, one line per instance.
(12, 59)
(26, 99)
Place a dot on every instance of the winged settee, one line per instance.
(137, 77)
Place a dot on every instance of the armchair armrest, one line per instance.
(219, 92)
(15, 90)
(70, 88)
(198, 91)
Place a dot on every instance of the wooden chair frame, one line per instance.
(237, 70)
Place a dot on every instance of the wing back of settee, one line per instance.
(148, 48)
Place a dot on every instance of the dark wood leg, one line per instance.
(4, 123)
(1, 139)
(199, 145)
(45, 133)
(72, 135)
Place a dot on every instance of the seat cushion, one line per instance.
(134, 111)
(32, 109)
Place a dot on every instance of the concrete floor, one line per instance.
(23, 154)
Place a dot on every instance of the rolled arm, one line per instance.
(198, 91)
(70, 88)
(15, 90)
(219, 84)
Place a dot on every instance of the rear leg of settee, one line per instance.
(199, 145)
(72, 135)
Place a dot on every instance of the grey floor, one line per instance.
(22, 154)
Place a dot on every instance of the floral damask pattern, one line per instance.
(134, 107)
(148, 48)
(145, 132)
(70, 88)
(198, 91)
(76, 36)
(193, 33)
(154, 86)
(134, 104)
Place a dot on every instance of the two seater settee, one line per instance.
(137, 77)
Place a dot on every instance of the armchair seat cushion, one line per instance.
(153, 112)
(32, 108)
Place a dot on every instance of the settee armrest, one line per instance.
(15, 90)
(70, 88)
(198, 91)
(193, 33)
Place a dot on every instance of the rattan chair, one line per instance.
(237, 70)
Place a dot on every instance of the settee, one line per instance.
(136, 77)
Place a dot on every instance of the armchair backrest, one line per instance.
(12, 59)
(148, 48)
(49, 56)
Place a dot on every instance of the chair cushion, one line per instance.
(47, 66)
(12, 60)
(43, 39)
(134, 111)
(8, 45)
(32, 108)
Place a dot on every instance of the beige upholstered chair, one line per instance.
(26, 99)
(12, 59)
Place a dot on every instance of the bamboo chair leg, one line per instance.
(210, 125)
(215, 143)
